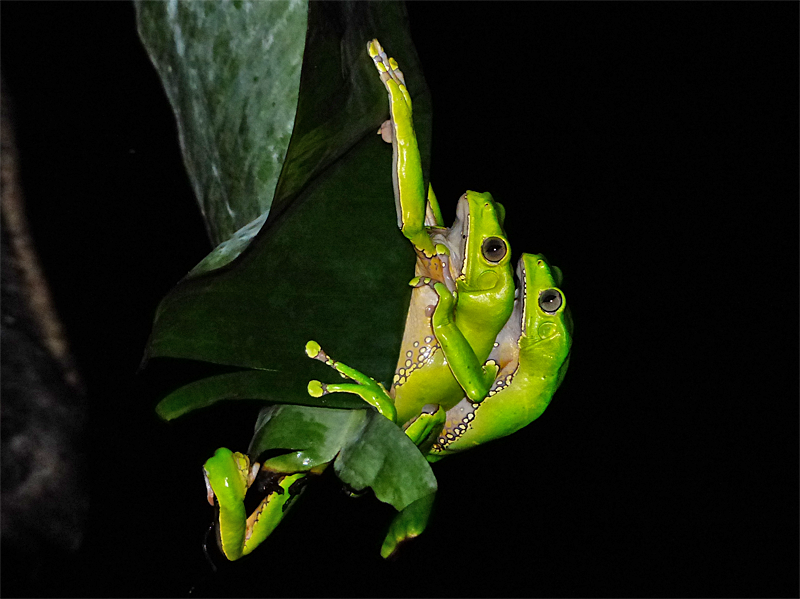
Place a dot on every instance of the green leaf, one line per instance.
(250, 384)
(231, 71)
(383, 458)
(329, 264)
(368, 450)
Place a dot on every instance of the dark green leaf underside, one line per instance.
(329, 264)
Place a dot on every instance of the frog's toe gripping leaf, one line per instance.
(367, 450)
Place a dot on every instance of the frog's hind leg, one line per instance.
(228, 477)
(407, 177)
(365, 387)
(280, 493)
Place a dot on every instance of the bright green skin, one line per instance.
(532, 353)
(228, 475)
(462, 297)
(526, 366)
(483, 284)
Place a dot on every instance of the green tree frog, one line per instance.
(530, 358)
(228, 476)
(471, 259)
(460, 379)
(532, 353)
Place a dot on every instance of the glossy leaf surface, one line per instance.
(329, 264)
(369, 450)
(231, 71)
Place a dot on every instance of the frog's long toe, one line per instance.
(387, 66)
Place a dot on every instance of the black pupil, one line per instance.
(550, 300)
(494, 249)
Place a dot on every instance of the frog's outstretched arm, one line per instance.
(422, 430)
(366, 387)
(409, 187)
(228, 475)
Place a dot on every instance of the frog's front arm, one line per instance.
(409, 186)
(474, 377)
(423, 430)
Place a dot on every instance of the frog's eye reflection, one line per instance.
(494, 249)
(550, 300)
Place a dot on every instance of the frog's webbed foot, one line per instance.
(365, 387)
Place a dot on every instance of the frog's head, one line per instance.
(480, 254)
(545, 320)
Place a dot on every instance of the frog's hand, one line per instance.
(409, 523)
(409, 187)
(228, 476)
(366, 387)
(473, 376)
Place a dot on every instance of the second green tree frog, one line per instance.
(532, 353)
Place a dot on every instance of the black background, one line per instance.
(649, 150)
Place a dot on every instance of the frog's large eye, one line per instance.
(494, 249)
(550, 300)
